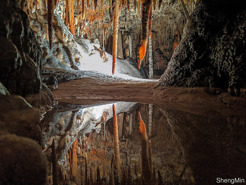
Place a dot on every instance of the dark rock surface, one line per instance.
(212, 49)
(21, 54)
(18, 117)
(21, 161)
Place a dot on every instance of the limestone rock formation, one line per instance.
(18, 117)
(21, 54)
(21, 161)
(212, 49)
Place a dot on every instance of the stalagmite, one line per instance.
(116, 145)
(115, 32)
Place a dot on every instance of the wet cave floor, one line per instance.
(194, 137)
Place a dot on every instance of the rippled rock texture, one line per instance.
(212, 49)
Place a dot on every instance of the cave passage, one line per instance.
(122, 92)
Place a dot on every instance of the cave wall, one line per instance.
(212, 50)
(21, 54)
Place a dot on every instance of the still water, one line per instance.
(168, 146)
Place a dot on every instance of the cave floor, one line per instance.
(199, 100)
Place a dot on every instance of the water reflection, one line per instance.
(156, 145)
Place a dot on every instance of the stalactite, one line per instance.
(50, 16)
(83, 8)
(150, 22)
(115, 32)
(95, 5)
(160, 2)
(98, 175)
(71, 16)
(122, 2)
(67, 14)
(91, 176)
(153, 4)
(54, 164)
(185, 10)
(64, 11)
(135, 5)
(129, 175)
(128, 5)
(181, 175)
(77, 5)
(87, 4)
(160, 182)
(139, 8)
(146, 171)
(146, 7)
(116, 145)
(102, 6)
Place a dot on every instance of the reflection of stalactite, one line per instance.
(150, 155)
(146, 170)
(74, 158)
(86, 168)
(150, 119)
(54, 164)
(116, 144)
(98, 175)
(111, 180)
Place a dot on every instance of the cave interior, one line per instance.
(121, 92)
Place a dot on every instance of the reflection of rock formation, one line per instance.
(210, 144)
(65, 126)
